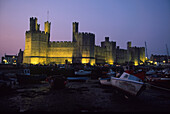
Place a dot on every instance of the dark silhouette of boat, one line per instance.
(24, 77)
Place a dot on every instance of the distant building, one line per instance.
(9, 59)
(160, 58)
(13, 59)
(40, 50)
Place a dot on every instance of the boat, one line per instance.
(157, 80)
(130, 82)
(78, 78)
(82, 73)
(24, 77)
(105, 79)
(150, 72)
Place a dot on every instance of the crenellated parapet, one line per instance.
(87, 35)
(61, 44)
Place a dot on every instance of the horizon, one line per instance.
(120, 20)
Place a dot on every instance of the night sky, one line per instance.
(121, 20)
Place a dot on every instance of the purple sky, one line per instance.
(121, 20)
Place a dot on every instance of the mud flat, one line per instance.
(82, 97)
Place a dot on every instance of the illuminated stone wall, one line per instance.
(137, 54)
(121, 55)
(84, 51)
(40, 50)
(58, 52)
(100, 54)
(110, 50)
(36, 44)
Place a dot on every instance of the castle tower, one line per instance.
(47, 29)
(33, 24)
(107, 39)
(75, 30)
(110, 47)
(36, 43)
(38, 25)
(129, 45)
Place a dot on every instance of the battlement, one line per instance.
(75, 22)
(85, 34)
(41, 32)
(33, 18)
(61, 44)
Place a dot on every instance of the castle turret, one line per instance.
(38, 27)
(33, 24)
(47, 27)
(129, 45)
(107, 39)
(75, 30)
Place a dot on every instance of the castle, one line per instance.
(40, 50)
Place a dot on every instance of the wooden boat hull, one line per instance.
(132, 87)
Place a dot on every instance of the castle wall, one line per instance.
(39, 49)
(87, 42)
(110, 50)
(142, 54)
(27, 51)
(129, 44)
(100, 54)
(84, 51)
(121, 56)
(58, 52)
(137, 55)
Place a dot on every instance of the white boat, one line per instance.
(129, 82)
(82, 73)
(105, 81)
